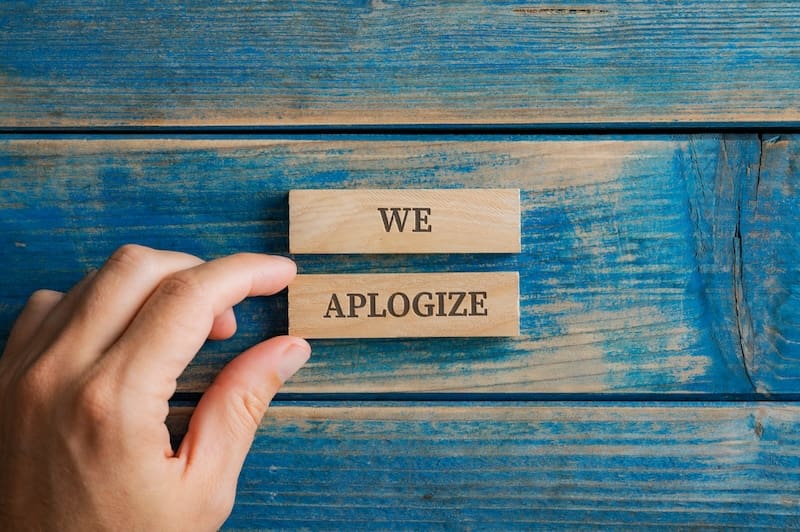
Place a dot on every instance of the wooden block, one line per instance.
(404, 221)
(404, 305)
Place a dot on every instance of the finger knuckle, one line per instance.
(252, 408)
(131, 256)
(43, 297)
(95, 403)
(32, 386)
(32, 390)
(182, 284)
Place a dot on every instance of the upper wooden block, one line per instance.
(404, 221)
(71, 63)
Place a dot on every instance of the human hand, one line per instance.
(85, 380)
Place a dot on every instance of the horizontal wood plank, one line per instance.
(523, 466)
(626, 271)
(69, 63)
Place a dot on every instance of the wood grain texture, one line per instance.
(626, 271)
(523, 466)
(770, 257)
(74, 63)
(404, 221)
(404, 305)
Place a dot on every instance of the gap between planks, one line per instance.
(577, 129)
(189, 399)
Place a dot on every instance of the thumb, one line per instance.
(224, 423)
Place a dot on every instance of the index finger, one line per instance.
(176, 320)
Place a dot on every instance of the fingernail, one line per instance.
(287, 260)
(296, 354)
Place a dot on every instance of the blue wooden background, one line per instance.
(614, 62)
(631, 268)
(656, 379)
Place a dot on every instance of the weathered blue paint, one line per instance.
(659, 267)
(770, 250)
(717, 233)
(78, 63)
(626, 272)
(486, 466)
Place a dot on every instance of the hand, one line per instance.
(85, 380)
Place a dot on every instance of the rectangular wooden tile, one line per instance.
(404, 221)
(404, 305)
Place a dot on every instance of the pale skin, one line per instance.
(85, 380)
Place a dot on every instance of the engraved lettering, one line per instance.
(373, 303)
(421, 224)
(399, 304)
(440, 304)
(398, 216)
(394, 218)
(478, 300)
(362, 302)
(334, 306)
(391, 304)
(425, 310)
(459, 299)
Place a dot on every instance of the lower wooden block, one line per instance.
(404, 305)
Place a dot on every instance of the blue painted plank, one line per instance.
(523, 466)
(68, 63)
(626, 272)
(770, 255)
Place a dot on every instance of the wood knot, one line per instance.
(758, 429)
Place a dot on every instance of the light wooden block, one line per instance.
(404, 221)
(404, 305)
